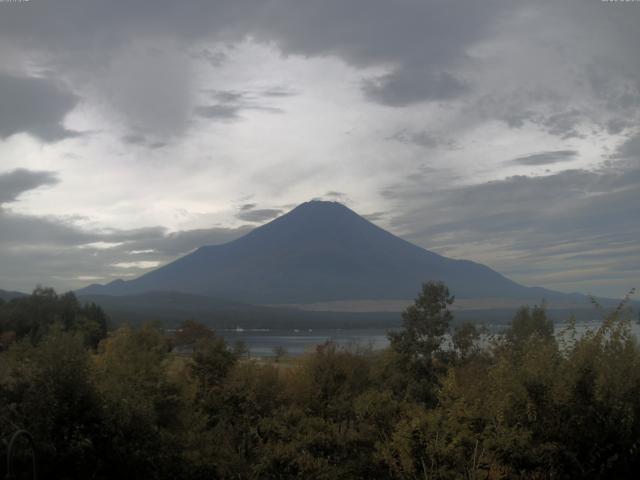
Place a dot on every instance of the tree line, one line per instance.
(443, 401)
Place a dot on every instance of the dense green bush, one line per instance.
(33, 316)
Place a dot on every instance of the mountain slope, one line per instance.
(319, 251)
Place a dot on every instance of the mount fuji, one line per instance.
(320, 252)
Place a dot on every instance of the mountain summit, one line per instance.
(319, 251)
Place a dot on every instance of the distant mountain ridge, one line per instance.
(318, 252)
(172, 308)
(7, 295)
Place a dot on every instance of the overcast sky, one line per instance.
(504, 132)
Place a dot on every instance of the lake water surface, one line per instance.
(262, 342)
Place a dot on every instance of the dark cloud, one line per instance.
(250, 98)
(620, 93)
(424, 139)
(36, 106)
(355, 30)
(16, 182)
(279, 92)
(231, 103)
(114, 25)
(135, 139)
(407, 86)
(630, 148)
(27, 232)
(215, 59)
(219, 112)
(542, 108)
(248, 206)
(422, 40)
(228, 96)
(259, 215)
(563, 124)
(514, 109)
(617, 125)
(421, 44)
(546, 158)
(143, 141)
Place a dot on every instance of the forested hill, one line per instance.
(7, 295)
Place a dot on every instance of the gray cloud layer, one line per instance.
(16, 182)
(575, 227)
(413, 39)
(546, 158)
(257, 215)
(422, 45)
(566, 71)
(407, 86)
(232, 102)
(34, 249)
(34, 105)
